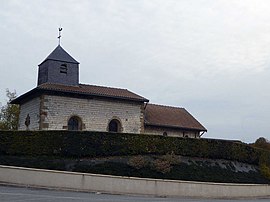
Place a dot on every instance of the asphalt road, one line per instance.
(22, 194)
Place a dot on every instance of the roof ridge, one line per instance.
(94, 90)
(103, 86)
(168, 106)
(80, 84)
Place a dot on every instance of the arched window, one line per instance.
(114, 126)
(74, 123)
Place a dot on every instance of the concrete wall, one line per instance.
(32, 108)
(127, 185)
(95, 114)
(170, 132)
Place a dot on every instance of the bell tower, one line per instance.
(59, 67)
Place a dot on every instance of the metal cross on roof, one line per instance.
(59, 34)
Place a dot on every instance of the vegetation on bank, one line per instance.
(261, 143)
(264, 144)
(88, 145)
(146, 167)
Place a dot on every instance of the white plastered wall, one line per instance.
(170, 132)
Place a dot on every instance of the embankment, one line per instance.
(136, 155)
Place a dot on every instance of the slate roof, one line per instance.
(82, 90)
(59, 54)
(172, 117)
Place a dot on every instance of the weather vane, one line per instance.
(59, 34)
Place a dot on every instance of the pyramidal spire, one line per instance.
(59, 68)
(59, 54)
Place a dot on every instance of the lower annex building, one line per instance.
(60, 102)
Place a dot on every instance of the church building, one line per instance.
(60, 102)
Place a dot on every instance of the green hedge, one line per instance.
(101, 144)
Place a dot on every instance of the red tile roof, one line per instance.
(84, 90)
(174, 117)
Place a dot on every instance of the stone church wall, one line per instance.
(32, 108)
(94, 113)
(170, 132)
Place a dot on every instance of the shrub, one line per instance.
(162, 166)
(265, 171)
(137, 162)
(171, 158)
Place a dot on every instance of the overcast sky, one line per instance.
(211, 57)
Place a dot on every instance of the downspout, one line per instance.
(145, 105)
(201, 134)
(143, 121)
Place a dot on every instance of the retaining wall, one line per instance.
(127, 185)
